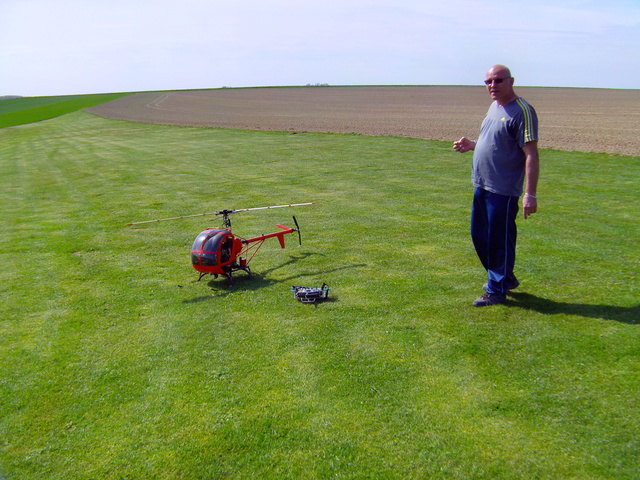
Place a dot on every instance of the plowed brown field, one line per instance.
(588, 120)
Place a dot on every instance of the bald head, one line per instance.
(500, 84)
(500, 70)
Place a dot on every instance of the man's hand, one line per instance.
(464, 145)
(529, 205)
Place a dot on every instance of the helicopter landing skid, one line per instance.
(235, 268)
(229, 274)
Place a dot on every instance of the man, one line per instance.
(505, 154)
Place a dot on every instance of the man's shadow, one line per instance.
(629, 315)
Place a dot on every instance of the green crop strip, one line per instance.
(20, 111)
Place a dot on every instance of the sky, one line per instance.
(70, 47)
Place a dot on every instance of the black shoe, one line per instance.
(510, 286)
(490, 299)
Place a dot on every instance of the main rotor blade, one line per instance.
(273, 206)
(221, 212)
(175, 218)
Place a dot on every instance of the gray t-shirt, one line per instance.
(498, 159)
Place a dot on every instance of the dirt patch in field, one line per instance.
(588, 120)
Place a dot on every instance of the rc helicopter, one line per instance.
(217, 251)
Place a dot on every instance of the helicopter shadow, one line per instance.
(222, 287)
(628, 315)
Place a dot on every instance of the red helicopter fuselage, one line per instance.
(217, 251)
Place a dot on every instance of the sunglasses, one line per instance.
(495, 80)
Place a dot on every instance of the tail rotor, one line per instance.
(298, 230)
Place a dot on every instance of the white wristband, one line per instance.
(529, 195)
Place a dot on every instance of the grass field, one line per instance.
(118, 364)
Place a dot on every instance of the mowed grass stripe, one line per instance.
(118, 363)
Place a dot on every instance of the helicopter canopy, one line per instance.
(207, 246)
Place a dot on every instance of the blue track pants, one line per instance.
(493, 231)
